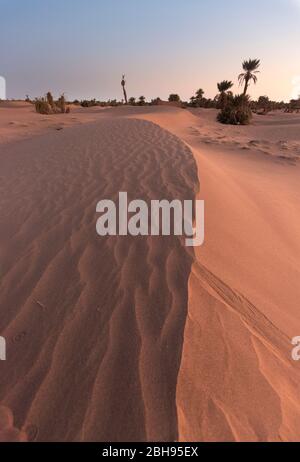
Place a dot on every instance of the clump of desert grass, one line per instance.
(47, 105)
(42, 106)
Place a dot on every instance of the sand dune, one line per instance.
(133, 339)
(19, 120)
(237, 381)
(94, 325)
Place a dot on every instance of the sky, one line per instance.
(82, 47)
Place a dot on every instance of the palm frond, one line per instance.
(251, 65)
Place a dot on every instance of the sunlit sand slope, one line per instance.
(94, 325)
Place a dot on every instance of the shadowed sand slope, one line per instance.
(237, 380)
(236, 369)
(94, 325)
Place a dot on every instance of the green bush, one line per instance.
(237, 111)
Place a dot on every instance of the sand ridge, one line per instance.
(94, 325)
(237, 381)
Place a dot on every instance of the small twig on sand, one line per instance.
(39, 303)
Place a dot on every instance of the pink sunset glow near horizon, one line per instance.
(82, 49)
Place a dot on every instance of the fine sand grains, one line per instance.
(134, 339)
(94, 325)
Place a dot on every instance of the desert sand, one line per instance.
(142, 339)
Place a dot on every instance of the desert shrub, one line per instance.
(237, 111)
(222, 100)
(263, 105)
(174, 98)
(47, 105)
(156, 101)
(113, 103)
(142, 100)
(42, 106)
(88, 103)
(223, 88)
(131, 101)
(50, 100)
(61, 104)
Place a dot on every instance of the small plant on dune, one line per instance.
(193, 101)
(88, 103)
(113, 102)
(61, 104)
(198, 100)
(250, 67)
(264, 105)
(131, 101)
(293, 105)
(174, 98)
(223, 88)
(237, 111)
(156, 101)
(42, 106)
(199, 93)
(199, 97)
(50, 100)
(47, 105)
(142, 100)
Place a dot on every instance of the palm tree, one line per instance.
(132, 101)
(250, 67)
(199, 94)
(223, 88)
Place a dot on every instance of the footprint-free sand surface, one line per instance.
(140, 338)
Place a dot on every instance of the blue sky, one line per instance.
(83, 47)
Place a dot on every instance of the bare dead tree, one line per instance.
(123, 83)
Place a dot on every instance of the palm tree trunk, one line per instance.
(125, 95)
(246, 86)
